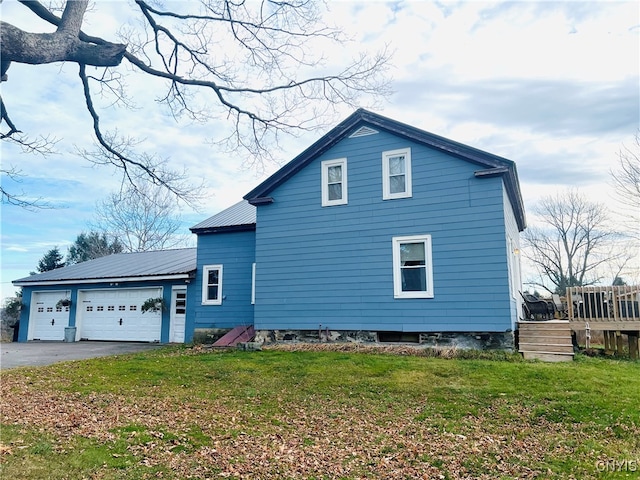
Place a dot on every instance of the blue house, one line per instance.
(379, 231)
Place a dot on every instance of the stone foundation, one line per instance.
(208, 335)
(463, 340)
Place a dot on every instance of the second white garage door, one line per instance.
(116, 315)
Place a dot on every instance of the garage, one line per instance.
(115, 314)
(48, 321)
(105, 297)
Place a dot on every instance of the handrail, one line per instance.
(603, 303)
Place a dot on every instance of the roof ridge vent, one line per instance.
(363, 132)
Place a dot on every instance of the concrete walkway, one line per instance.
(38, 353)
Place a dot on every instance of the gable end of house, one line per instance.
(365, 120)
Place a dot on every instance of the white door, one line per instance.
(115, 314)
(178, 314)
(46, 321)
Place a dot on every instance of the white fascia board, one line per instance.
(181, 276)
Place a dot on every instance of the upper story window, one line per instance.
(212, 285)
(396, 174)
(412, 267)
(334, 182)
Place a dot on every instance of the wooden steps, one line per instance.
(549, 341)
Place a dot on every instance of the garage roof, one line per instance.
(121, 267)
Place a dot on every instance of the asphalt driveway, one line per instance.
(45, 353)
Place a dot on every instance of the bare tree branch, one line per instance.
(22, 199)
(247, 62)
(64, 45)
(626, 181)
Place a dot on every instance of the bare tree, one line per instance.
(573, 243)
(626, 180)
(247, 62)
(143, 218)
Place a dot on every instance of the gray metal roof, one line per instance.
(240, 215)
(123, 266)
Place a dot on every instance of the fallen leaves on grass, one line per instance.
(316, 436)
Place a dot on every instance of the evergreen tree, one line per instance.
(51, 260)
(92, 245)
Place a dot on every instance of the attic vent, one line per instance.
(362, 132)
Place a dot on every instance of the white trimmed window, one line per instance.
(412, 267)
(212, 285)
(513, 256)
(334, 182)
(253, 284)
(396, 174)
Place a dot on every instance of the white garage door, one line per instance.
(46, 321)
(115, 315)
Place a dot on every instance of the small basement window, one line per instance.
(398, 337)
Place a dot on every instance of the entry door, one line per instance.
(178, 314)
(47, 321)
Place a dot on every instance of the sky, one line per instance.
(553, 86)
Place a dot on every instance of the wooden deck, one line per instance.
(614, 310)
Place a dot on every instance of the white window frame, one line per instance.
(253, 284)
(397, 270)
(326, 164)
(513, 256)
(386, 182)
(205, 285)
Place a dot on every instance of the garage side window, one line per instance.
(212, 285)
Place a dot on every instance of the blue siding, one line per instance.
(235, 251)
(27, 291)
(332, 266)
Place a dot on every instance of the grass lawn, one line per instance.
(182, 413)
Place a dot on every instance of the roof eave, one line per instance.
(224, 229)
(260, 201)
(148, 278)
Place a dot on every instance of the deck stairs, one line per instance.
(235, 336)
(548, 341)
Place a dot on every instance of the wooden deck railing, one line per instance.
(616, 307)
